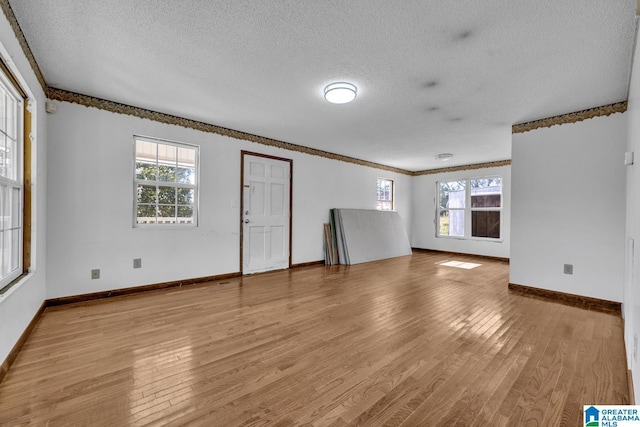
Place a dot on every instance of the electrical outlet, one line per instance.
(568, 269)
(137, 263)
(95, 274)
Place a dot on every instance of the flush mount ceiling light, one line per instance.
(444, 157)
(340, 93)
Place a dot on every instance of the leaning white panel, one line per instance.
(371, 235)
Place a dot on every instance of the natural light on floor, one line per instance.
(459, 264)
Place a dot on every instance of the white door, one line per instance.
(265, 214)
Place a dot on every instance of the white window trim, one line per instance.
(19, 181)
(468, 209)
(393, 193)
(196, 201)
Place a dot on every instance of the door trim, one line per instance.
(243, 153)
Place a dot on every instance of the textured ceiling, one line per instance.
(433, 76)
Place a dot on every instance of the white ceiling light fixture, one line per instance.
(444, 157)
(340, 92)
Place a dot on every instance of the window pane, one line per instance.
(385, 194)
(3, 109)
(146, 171)
(167, 195)
(166, 214)
(15, 249)
(384, 206)
(6, 252)
(452, 194)
(11, 159)
(4, 256)
(5, 194)
(186, 176)
(485, 224)
(186, 157)
(185, 214)
(167, 154)
(185, 196)
(146, 151)
(15, 207)
(147, 194)
(4, 170)
(443, 223)
(12, 118)
(166, 173)
(451, 223)
(146, 214)
(384, 189)
(486, 193)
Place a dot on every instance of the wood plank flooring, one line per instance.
(404, 342)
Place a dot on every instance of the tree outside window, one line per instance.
(165, 182)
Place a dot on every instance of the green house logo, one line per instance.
(591, 417)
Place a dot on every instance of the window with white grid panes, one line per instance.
(165, 183)
(469, 208)
(385, 195)
(11, 181)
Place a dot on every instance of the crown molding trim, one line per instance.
(116, 107)
(22, 40)
(464, 167)
(578, 116)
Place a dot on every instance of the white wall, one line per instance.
(19, 305)
(568, 198)
(631, 302)
(90, 203)
(424, 214)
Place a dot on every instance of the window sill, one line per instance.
(17, 283)
(164, 226)
(471, 239)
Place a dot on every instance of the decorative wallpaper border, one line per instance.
(22, 40)
(116, 107)
(578, 116)
(463, 167)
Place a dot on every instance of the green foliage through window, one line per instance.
(166, 182)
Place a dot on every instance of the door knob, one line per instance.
(246, 221)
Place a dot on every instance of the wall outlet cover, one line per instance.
(628, 158)
(95, 274)
(137, 263)
(568, 269)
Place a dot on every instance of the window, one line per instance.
(453, 198)
(470, 208)
(12, 112)
(385, 195)
(165, 182)
(486, 207)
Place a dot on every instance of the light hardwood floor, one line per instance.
(396, 342)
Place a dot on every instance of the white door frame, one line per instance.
(242, 188)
